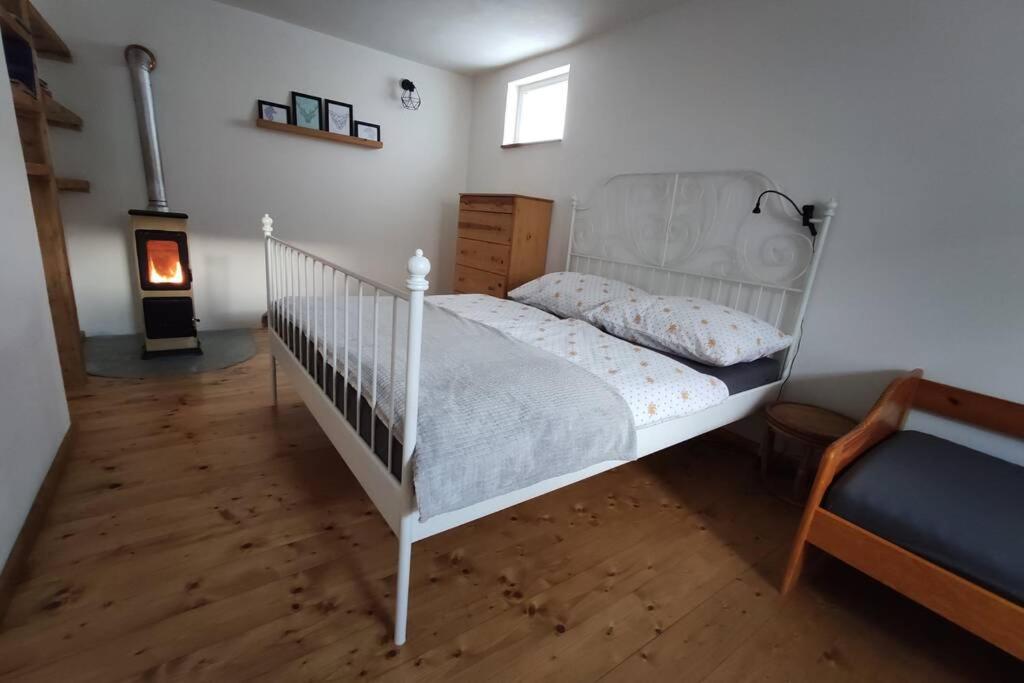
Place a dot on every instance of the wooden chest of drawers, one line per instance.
(502, 243)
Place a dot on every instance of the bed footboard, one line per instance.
(311, 344)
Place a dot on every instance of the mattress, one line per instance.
(957, 507)
(742, 376)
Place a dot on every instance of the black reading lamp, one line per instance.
(806, 211)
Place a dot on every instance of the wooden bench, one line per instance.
(985, 613)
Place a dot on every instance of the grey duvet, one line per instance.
(495, 414)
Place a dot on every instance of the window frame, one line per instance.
(514, 103)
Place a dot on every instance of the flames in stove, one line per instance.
(164, 262)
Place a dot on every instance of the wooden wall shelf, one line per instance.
(22, 18)
(24, 101)
(48, 43)
(33, 168)
(59, 115)
(321, 134)
(11, 25)
(56, 113)
(73, 185)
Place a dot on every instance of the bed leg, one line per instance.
(273, 378)
(402, 589)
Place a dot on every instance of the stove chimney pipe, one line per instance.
(142, 61)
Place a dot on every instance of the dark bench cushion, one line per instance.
(953, 505)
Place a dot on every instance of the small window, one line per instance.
(535, 107)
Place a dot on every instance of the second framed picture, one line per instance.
(367, 131)
(307, 111)
(338, 117)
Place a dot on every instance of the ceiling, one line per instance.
(460, 35)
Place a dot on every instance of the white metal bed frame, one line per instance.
(295, 278)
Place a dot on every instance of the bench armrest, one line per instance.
(886, 417)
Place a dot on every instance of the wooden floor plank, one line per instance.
(847, 627)
(622, 602)
(536, 555)
(201, 534)
(105, 614)
(697, 644)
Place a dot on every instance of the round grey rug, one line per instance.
(121, 355)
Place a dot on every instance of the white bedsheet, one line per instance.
(655, 387)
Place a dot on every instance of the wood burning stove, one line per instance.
(164, 281)
(163, 275)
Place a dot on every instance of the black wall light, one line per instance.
(410, 97)
(806, 211)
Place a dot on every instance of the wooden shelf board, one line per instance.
(321, 134)
(11, 25)
(36, 31)
(73, 185)
(56, 113)
(24, 100)
(59, 115)
(47, 43)
(34, 168)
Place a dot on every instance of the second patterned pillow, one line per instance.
(689, 327)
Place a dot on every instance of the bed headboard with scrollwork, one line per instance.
(693, 234)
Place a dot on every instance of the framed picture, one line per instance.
(338, 117)
(272, 111)
(307, 111)
(367, 131)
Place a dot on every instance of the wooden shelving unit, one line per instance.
(320, 134)
(25, 30)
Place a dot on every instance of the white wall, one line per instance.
(910, 112)
(33, 411)
(361, 207)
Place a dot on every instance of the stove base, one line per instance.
(196, 350)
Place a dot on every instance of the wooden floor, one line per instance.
(199, 534)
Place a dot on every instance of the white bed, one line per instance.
(686, 234)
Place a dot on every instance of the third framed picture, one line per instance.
(338, 117)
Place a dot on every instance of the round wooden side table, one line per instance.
(813, 427)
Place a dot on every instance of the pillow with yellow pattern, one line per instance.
(571, 295)
(689, 327)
